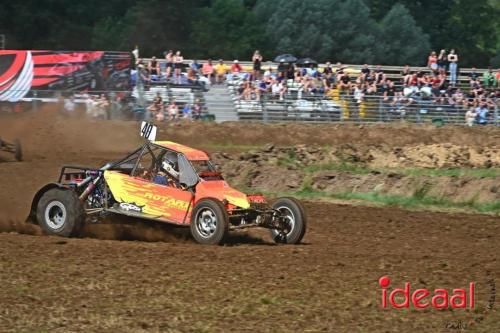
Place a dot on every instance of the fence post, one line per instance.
(495, 114)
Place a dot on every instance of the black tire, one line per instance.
(293, 208)
(213, 228)
(18, 152)
(60, 212)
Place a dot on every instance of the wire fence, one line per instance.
(369, 110)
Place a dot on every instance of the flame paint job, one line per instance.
(159, 201)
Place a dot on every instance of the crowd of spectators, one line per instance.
(161, 111)
(439, 84)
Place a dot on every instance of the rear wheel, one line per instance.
(209, 222)
(296, 221)
(60, 212)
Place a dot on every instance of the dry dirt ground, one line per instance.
(136, 277)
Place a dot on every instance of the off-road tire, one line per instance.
(213, 209)
(60, 212)
(294, 207)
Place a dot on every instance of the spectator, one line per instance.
(432, 62)
(220, 72)
(191, 76)
(135, 53)
(328, 70)
(365, 71)
(345, 83)
(236, 67)
(497, 76)
(169, 57)
(453, 63)
(186, 111)
(257, 64)
(379, 76)
(178, 63)
(282, 68)
(489, 80)
(470, 117)
(208, 70)
(195, 66)
(156, 108)
(196, 113)
(153, 68)
(441, 62)
(482, 113)
(173, 111)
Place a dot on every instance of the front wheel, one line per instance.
(209, 222)
(60, 212)
(295, 221)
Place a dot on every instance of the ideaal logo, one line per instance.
(440, 298)
(422, 298)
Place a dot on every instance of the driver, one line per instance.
(168, 173)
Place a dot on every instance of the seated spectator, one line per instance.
(482, 113)
(156, 108)
(365, 71)
(473, 75)
(236, 67)
(195, 66)
(489, 80)
(196, 112)
(282, 68)
(191, 76)
(345, 83)
(379, 75)
(186, 111)
(389, 90)
(328, 70)
(497, 76)
(173, 111)
(208, 70)
(154, 68)
(268, 72)
(220, 72)
(470, 117)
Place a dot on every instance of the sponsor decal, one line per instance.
(168, 201)
(130, 207)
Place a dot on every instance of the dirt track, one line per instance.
(328, 284)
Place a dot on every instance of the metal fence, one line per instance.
(369, 109)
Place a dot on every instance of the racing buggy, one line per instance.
(14, 148)
(167, 182)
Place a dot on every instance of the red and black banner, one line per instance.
(23, 71)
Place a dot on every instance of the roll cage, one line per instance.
(188, 174)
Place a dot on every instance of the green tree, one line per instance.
(473, 25)
(227, 29)
(325, 29)
(403, 40)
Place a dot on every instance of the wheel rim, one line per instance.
(206, 222)
(290, 218)
(55, 215)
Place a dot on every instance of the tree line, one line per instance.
(387, 32)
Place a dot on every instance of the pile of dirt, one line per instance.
(365, 168)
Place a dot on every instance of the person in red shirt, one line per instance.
(236, 67)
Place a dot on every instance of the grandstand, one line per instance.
(338, 106)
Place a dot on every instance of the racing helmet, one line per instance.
(170, 165)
